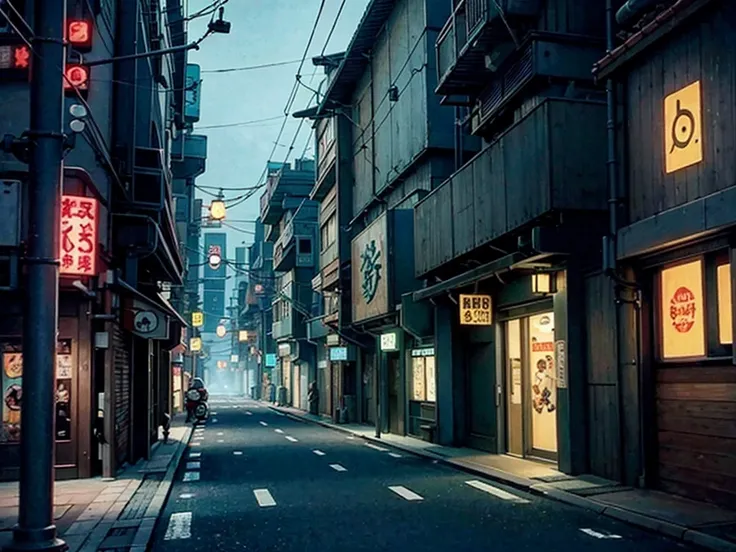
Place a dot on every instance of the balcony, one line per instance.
(475, 29)
(189, 155)
(536, 168)
(295, 246)
(326, 159)
(286, 182)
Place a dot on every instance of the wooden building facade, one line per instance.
(673, 249)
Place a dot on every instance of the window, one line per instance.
(305, 246)
(328, 232)
(423, 379)
(695, 317)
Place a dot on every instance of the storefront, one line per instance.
(530, 386)
(692, 425)
(422, 393)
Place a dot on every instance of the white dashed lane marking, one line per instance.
(292, 439)
(264, 498)
(191, 476)
(195, 454)
(248, 412)
(597, 535)
(220, 434)
(499, 493)
(186, 496)
(279, 430)
(195, 444)
(221, 440)
(194, 465)
(238, 453)
(180, 526)
(394, 455)
(376, 447)
(405, 493)
(338, 467)
(318, 452)
(264, 424)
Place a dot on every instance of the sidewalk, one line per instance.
(117, 515)
(693, 522)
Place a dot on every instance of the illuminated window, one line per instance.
(725, 314)
(423, 379)
(682, 311)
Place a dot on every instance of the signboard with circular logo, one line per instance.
(145, 322)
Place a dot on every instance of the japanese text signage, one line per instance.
(390, 342)
(370, 277)
(475, 310)
(195, 344)
(78, 239)
(197, 319)
(683, 128)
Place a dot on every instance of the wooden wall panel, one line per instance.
(702, 51)
(696, 423)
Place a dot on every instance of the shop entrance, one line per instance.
(531, 387)
(394, 392)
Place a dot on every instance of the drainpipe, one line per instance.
(614, 201)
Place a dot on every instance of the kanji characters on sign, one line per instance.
(78, 239)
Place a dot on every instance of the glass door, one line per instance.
(542, 385)
(514, 389)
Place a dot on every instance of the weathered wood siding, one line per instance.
(604, 434)
(390, 135)
(539, 165)
(702, 51)
(696, 421)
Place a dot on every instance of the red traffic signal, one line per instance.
(79, 33)
(77, 76)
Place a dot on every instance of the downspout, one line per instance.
(610, 248)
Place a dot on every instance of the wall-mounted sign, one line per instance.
(195, 344)
(683, 128)
(270, 360)
(425, 352)
(476, 310)
(78, 239)
(284, 349)
(243, 335)
(234, 358)
(370, 271)
(197, 319)
(561, 363)
(332, 340)
(147, 321)
(338, 354)
(390, 342)
(192, 82)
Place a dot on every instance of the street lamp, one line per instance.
(214, 260)
(221, 331)
(217, 208)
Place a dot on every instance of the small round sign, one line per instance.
(145, 322)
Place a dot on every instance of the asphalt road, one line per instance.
(255, 480)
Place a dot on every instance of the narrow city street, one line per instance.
(254, 479)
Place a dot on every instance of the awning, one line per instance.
(158, 303)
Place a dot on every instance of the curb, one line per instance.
(672, 530)
(144, 534)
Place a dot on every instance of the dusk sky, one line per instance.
(263, 32)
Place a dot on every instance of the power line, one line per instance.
(252, 67)
(238, 124)
(332, 29)
(109, 48)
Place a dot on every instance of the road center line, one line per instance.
(318, 452)
(279, 430)
(499, 493)
(394, 454)
(376, 447)
(195, 454)
(186, 496)
(191, 476)
(238, 452)
(248, 413)
(405, 493)
(292, 439)
(264, 424)
(180, 526)
(194, 465)
(597, 535)
(196, 444)
(220, 434)
(264, 498)
(338, 467)
(221, 440)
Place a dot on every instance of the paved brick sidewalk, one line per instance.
(115, 516)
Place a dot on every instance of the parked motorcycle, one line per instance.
(197, 397)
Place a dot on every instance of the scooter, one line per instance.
(197, 404)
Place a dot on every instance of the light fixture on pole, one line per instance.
(221, 331)
(217, 208)
(214, 260)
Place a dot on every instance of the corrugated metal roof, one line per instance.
(355, 60)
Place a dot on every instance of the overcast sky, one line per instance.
(263, 32)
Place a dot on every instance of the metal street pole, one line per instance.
(36, 529)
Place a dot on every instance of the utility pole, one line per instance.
(36, 530)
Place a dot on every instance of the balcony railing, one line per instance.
(535, 168)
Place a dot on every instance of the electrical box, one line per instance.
(10, 197)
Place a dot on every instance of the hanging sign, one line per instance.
(390, 342)
(475, 310)
(197, 319)
(195, 344)
(78, 238)
(683, 128)
(561, 363)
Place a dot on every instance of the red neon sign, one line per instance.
(78, 239)
(21, 57)
(79, 32)
(77, 76)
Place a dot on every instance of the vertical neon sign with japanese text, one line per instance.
(78, 239)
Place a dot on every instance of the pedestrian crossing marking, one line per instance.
(338, 467)
(264, 498)
(180, 526)
(191, 476)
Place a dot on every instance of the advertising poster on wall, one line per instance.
(64, 390)
(543, 382)
(12, 388)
